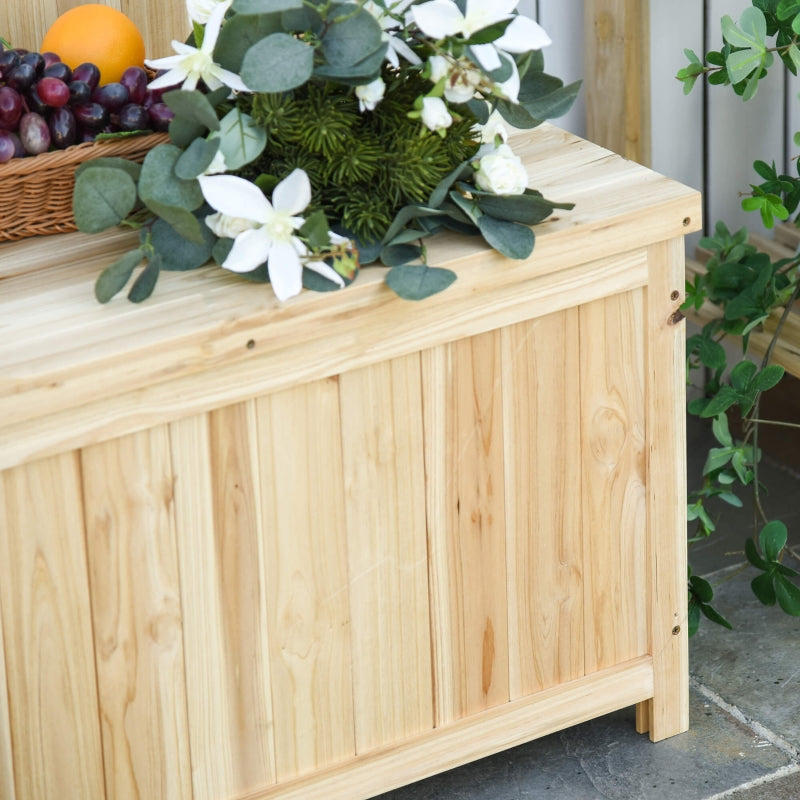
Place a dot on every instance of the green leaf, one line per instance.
(354, 36)
(143, 286)
(712, 614)
(694, 617)
(751, 31)
(768, 377)
(240, 139)
(731, 499)
(722, 401)
(160, 186)
(788, 595)
(717, 458)
(315, 231)
(131, 167)
(528, 209)
(702, 588)
(277, 63)
(418, 282)
(192, 106)
(404, 216)
(764, 589)
(439, 194)
(753, 557)
(196, 158)
(240, 33)
(711, 353)
(742, 374)
(773, 539)
(178, 253)
(509, 238)
(264, 6)
(394, 255)
(102, 197)
(114, 277)
(721, 430)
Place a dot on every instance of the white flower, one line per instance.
(191, 64)
(492, 128)
(271, 235)
(226, 226)
(501, 172)
(441, 18)
(440, 67)
(435, 115)
(370, 94)
(200, 10)
(385, 16)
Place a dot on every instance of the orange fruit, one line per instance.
(96, 33)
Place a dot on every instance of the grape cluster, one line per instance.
(44, 104)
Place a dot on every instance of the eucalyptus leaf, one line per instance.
(509, 238)
(143, 286)
(160, 187)
(177, 252)
(416, 282)
(184, 222)
(193, 107)
(102, 197)
(131, 167)
(529, 209)
(264, 6)
(394, 255)
(240, 33)
(277, 63)
(196, 158)
(114, 277)
(354, 35)
(439, 194)
(404, 216)
(240, 139)
(363, 71)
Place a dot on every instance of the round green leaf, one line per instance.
(277, 63)
(177, 252)
(196, 158)
(114, 277)
(352, 38)
(102, 197)
(788, 595)
(240, 139)
(416, 282)
(509, 238)
(773, 539)
(159, 186)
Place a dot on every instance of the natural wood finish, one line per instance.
(228, 685)
(476, 736)
(384, 489)
(617, 82)
(466, 524)
(666, 486)
(319, 549)
(306, 576)
(49, 660)
(136, 616)
(543, 490)
(7, 789)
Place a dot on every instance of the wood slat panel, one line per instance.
(136, 608)
(383, 466)
(613, 492)
(7, 789)
(218, 519)
(305, 557)
(543, 491)
(466, 525)
(666, 486)
(44, 599)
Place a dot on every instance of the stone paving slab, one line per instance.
(606, 759)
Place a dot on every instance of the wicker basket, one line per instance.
(36, 192)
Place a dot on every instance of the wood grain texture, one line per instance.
(666, 481)
(617, 86)
(136, 611)
(466, 525)
(541, 361)
(306, 577)
(7, 788)
(44, 598)
(220, 550)
(614, 492)
(383, 467)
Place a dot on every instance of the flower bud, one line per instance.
(435, 115)
(501, 172)
(370, 94)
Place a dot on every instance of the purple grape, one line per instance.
(10, 107)
(90, 115)
(7, 148)
(111, 96)
(36, 60)
(63, 129)
(19, 150)
(8, 60)
(88, 73)
(21, 77)
(35, 103)
(134, 79)
(160, 116)
(60, 70)
(79, 92)
(50, 59)
(133, 117)
(34, 133)
(53, 91)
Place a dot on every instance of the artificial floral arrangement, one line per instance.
(311, 137)
(748, 288)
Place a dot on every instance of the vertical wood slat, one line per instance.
(306, 577)
(7, 789)
(614, 466)
(666, 486)
(466, 521)
(383, 465)
(617, 82)
(226, 653)
(136, 611)
(543, 491)
(44, 599)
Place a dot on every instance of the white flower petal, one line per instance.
(523, 34)
(171, 78)
(212, 27)
(168, 62)
(250, 250)
(230, 79)
(235, 196)
(398, 46)
(321, 268)
(285, 270)
(510, 87)
(438, 18)
(487, 55)
(293, 193)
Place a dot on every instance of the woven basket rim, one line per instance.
(77, 153)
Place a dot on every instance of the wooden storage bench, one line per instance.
(324, 549)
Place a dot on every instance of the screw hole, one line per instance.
(251, 344)
(676, 630)
(675, 295)
(687, 221)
